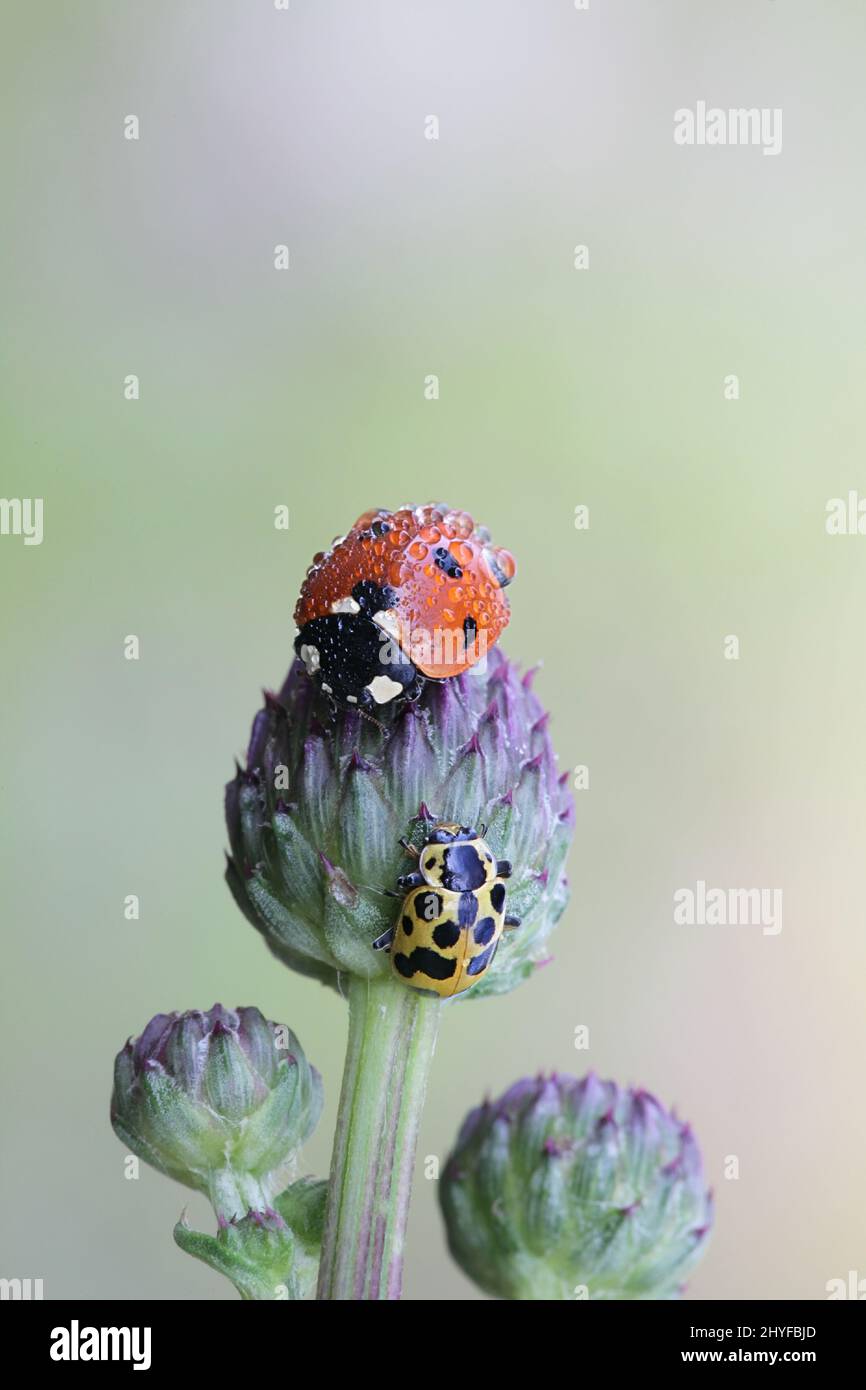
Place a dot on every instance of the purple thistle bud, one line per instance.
(220, 1100)
(567, 1183)
(474, 749)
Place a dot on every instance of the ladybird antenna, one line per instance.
(380, 892)
(354, 709)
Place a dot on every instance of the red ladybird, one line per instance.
(404, 596)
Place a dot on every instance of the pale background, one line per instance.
(558, 387)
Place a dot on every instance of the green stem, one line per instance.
(392, 1034)
(234, 1194)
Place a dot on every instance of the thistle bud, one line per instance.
(271, 1254)
(221, 1101)
(316, 817)
(566, 1189)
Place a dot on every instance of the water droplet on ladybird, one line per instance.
(461, 524)
(501, 564)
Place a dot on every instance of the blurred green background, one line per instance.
(558, 387)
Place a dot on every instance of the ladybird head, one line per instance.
(445, 833)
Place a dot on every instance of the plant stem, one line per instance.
(392, 1035)
(234, 1194)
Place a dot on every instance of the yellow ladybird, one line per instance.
(453, 914)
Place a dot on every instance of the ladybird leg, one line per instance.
(511, 921)
(383, 942)
(362, 704)
(482, 830)
(503, 868)
(413, 691)
(409, 848)
(406, 881)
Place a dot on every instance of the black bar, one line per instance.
(232, 1336)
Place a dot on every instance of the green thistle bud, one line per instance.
(566, 1189)
(221, 1101)
(271, 1254)
(316, 817)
